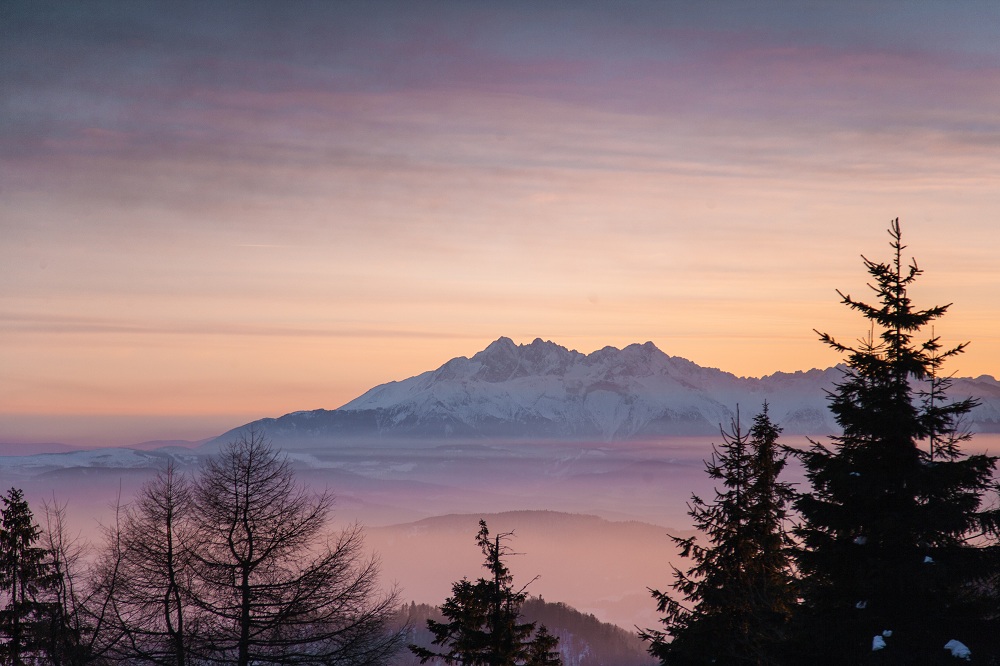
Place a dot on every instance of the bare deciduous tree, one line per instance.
(268, 583)
(82, 628)
(146, 571)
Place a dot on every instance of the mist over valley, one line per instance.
(564, 457)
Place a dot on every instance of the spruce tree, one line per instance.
(484, 625)
(885, 554)
(25, 576)
(772, 581)
(735, 601)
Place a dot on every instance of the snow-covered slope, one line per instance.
(543, 390)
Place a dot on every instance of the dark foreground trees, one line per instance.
(888, 555)
(483, 626)
(895, 552)
(734, 604)
(26, 577)
(235, 566)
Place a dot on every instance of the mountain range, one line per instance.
(543, 390)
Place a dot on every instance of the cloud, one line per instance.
(12, 323)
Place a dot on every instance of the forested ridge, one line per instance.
(583, 639)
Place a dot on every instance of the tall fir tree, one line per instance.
(483, 626)
(886, 559)
(736, 600)
(774, 594)
(25, 578)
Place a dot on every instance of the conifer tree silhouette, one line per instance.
(483, 626)
(733, 605)
(885, 537)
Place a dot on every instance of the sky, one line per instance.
(216, 212)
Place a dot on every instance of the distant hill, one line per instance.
(168, 444)
(583, 639)
(599, 566)
(542, 390)
(23, 449)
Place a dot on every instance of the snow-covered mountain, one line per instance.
(543, 390)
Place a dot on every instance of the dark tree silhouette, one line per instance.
(734, 603)
(81, 625)
(269, 585)
(893, 505)
(25, 575)
(483, 626)
(146, 571)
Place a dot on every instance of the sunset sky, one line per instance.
(215, 212)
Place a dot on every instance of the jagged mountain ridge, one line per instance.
(544, 390)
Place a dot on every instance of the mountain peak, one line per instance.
(646, 348)
(504, 360)
(501, 344)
